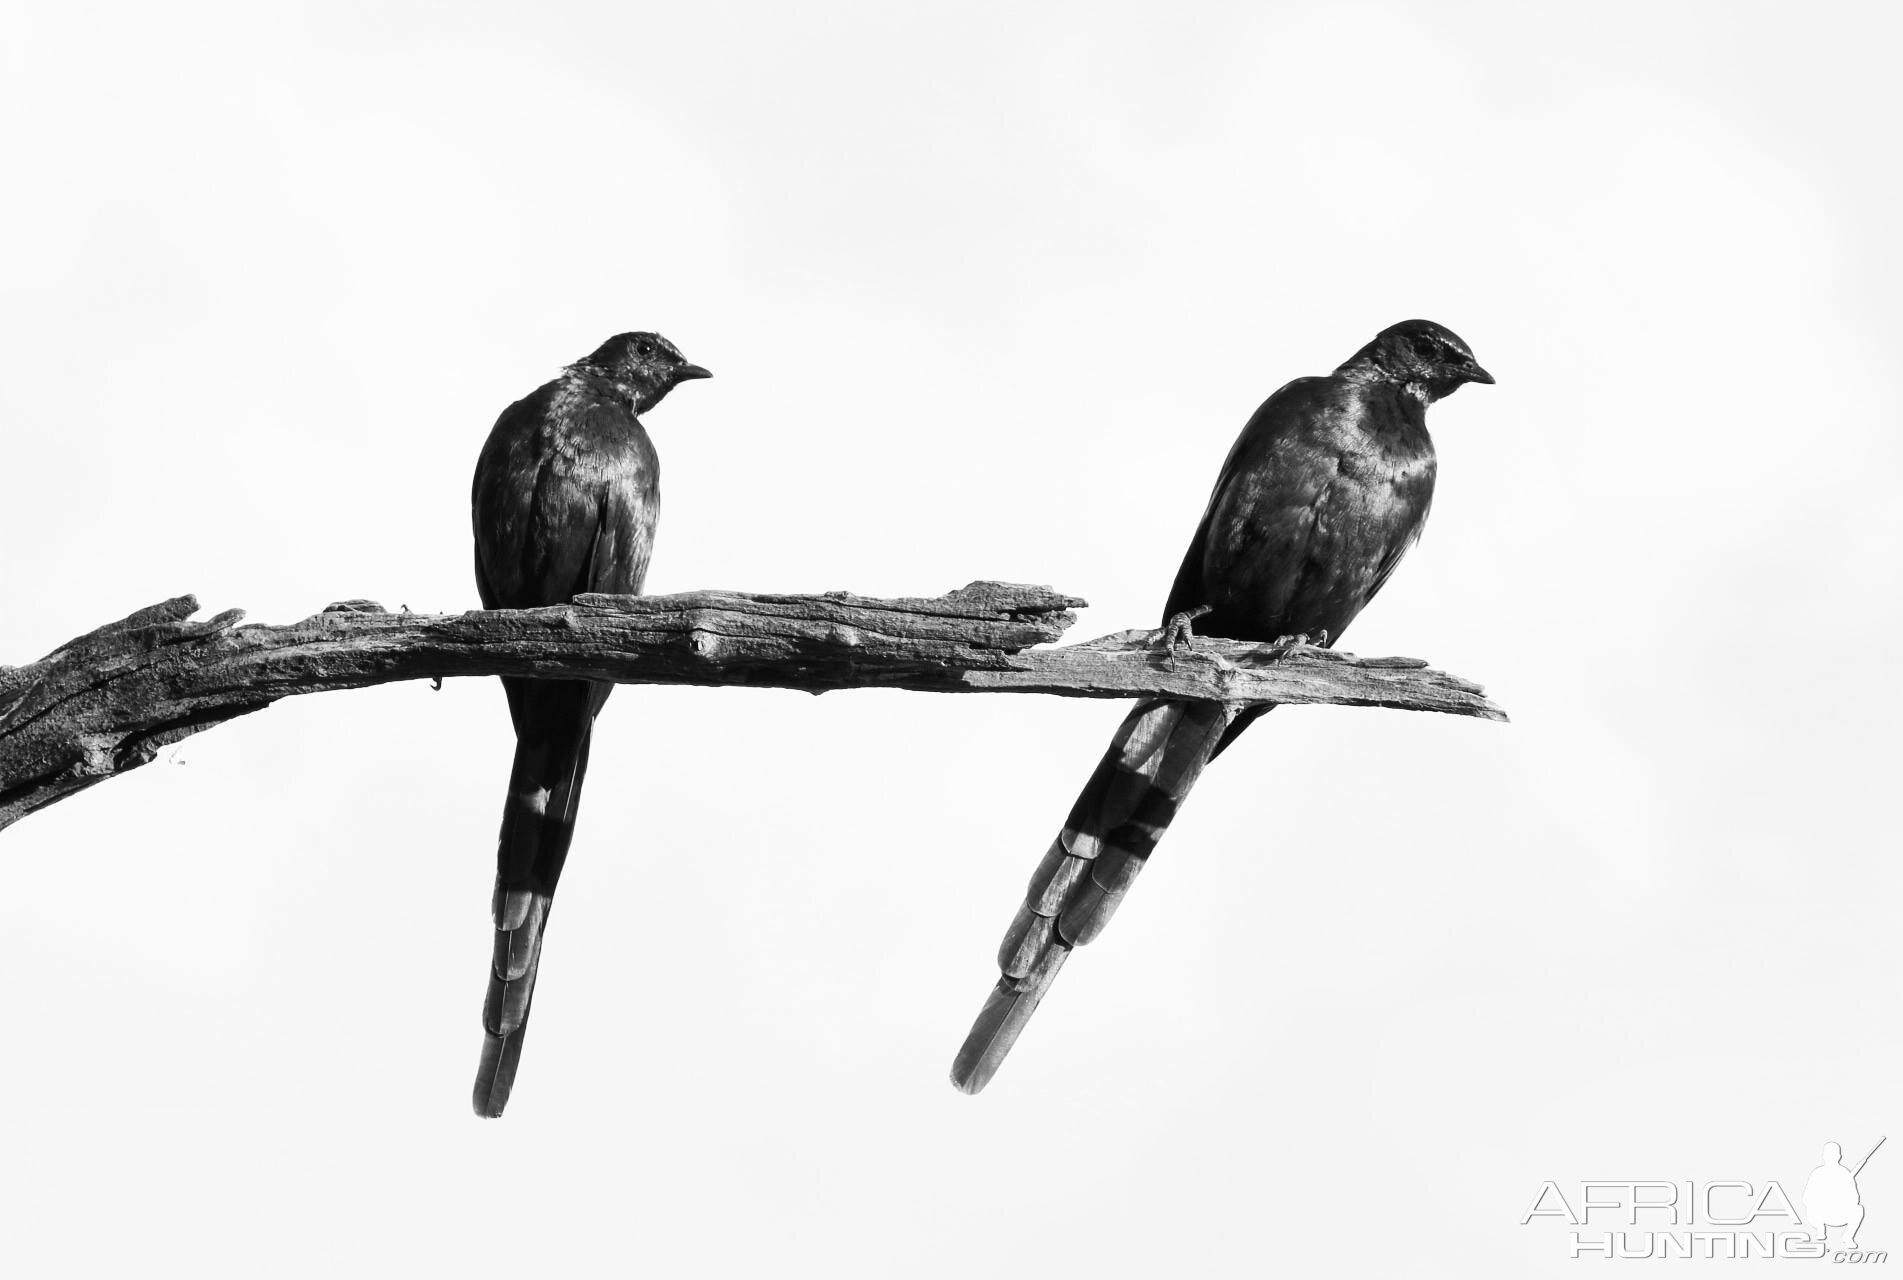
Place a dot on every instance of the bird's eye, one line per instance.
(646, 348)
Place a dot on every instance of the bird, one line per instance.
(1322, 494)
(565, 500)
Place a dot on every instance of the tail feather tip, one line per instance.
(495, 1077)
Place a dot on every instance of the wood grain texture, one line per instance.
(108, 701)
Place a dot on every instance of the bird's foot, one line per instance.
(1177, 631)
(1286, 645)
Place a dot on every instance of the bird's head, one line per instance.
(1428, 359)
(644, 366)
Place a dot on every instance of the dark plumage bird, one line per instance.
(1323, 493)
(566, 496)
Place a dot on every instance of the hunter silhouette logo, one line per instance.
(1668, 1219)
(1831, 1199)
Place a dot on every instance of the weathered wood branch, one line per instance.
(108, 701)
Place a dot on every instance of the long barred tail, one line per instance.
(1153, 761)
(554, 725)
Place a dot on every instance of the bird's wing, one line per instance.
(1254, 542)
(1418, 497)
(1311, 516)
(624, 536)
(556, 516)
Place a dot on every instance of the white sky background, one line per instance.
(988, 291)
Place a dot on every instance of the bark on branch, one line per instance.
(108, 701)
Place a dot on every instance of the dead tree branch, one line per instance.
(108, 701)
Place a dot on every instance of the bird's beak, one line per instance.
(1474, 373)
(688, 372)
